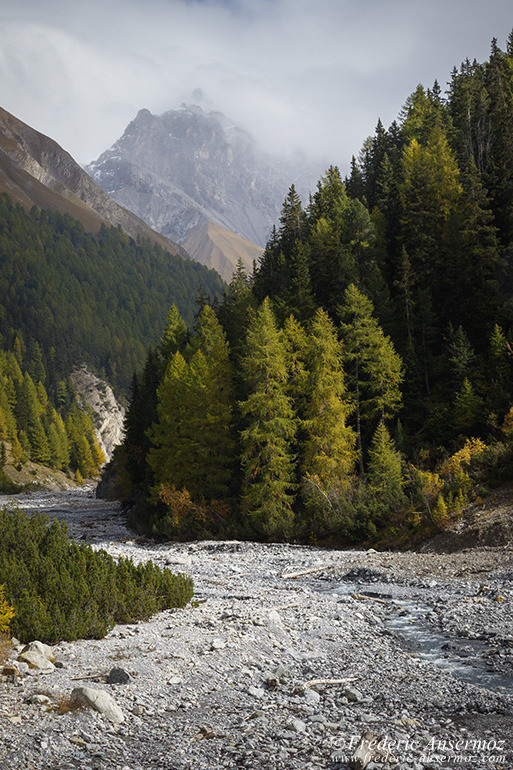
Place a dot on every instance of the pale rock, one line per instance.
(108, 414)
(100, 701)
(179, 559)
(42, 649)
(274, 618)
(38, 699)
(10, 669)
(297, 725)
(275, 624)
(256, 692)
(37, 662)
(312, 697)
(23, 667)
(352, 694)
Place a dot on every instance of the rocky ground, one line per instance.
(290, 657)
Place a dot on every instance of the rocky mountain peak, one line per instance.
(189, 169)
(34, 169)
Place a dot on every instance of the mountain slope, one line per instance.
(189, 173)
(35, 170)
(70, 297)
(219, 248)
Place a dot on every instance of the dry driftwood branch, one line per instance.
(316, 682)
(309, 571)
(369, 598)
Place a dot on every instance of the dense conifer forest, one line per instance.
(360, 381)
(70, 297)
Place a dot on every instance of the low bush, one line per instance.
(63, 591)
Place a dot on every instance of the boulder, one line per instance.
(118, 676)
(42, 649)
(100, 701)
(38, 656)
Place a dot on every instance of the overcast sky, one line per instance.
(307, 74)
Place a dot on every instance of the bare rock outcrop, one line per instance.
(107, 412)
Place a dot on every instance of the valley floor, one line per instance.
(422, 642)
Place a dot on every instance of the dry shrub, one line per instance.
(185, 518)
(5, 648)
(65, 704)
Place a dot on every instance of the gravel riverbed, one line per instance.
(289, 656)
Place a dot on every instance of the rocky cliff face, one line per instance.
(187, 169)
(108, 413)
(36, 170)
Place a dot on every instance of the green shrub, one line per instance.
(62, 591)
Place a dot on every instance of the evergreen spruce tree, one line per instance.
(292, 221)
(296, 350)
(173, 337)
(235, 310)
(385, 468)
(354, 184)
(374, 368)
(499, 86)
(298, 296)
(267, 461)
(498, 394)
(328, 453)
(193, 445)
(212, 418)
(29, 420)
(466, 409)
(168, 454)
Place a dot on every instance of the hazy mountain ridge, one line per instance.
(187, 168)
(35, 170)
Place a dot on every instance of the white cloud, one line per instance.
(295, 73)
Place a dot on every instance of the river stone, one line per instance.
(365, 751)
(311, 696)
(10, 669)
(99, 700)
(256, 692)
(178, 559)
(44, 650)
(118, 676)
(38, 699)
(297, 725)
(352, 694)
(36, 661)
